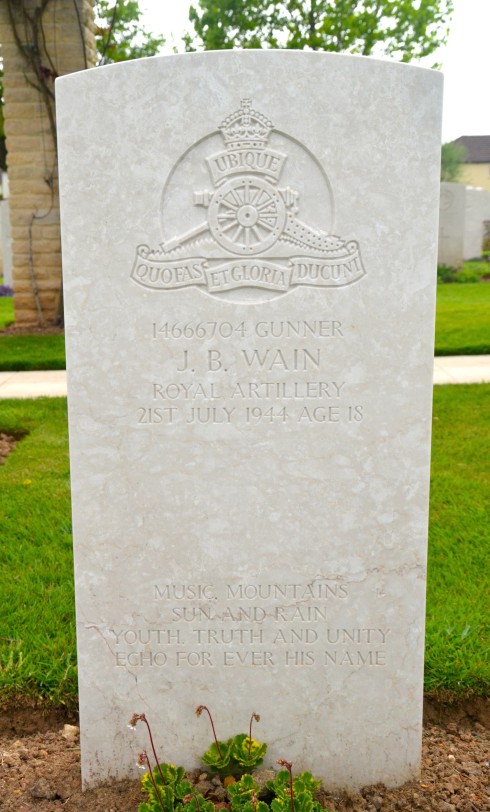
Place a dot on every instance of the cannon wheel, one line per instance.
(247, 215)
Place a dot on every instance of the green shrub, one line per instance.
(445, 274)
(472, 271)
(468, 275)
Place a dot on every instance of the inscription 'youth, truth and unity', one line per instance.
(252, 226)
(251, 624)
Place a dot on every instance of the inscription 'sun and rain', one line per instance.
(252, 235)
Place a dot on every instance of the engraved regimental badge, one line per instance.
(241, 233)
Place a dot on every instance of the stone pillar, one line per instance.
(5, 239)
(62, 41)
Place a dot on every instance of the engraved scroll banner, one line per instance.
(328, 273)
(152, 271)
(249, 273)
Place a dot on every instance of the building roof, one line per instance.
(477, 148)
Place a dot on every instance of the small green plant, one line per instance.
(289, 794)
(169, 791)
(247, 753)
(164, 784)
(235, 756)
(244, 796)
(293, 794)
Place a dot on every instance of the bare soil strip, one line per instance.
(40, 771)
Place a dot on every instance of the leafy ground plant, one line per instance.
(293, 794)
(236, 755)
(169, 791)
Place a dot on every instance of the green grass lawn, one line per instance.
(37, 633)
(37, 629)
(463, 319)
(26, 352)
(6, 311)
(458, 597)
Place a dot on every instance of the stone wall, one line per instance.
(66, 44)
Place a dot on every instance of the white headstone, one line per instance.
(249, 255)
(451, 224)
(477, 210)
(462, 212)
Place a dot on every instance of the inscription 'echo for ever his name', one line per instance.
(249, 294)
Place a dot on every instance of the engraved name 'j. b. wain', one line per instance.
(251, 235)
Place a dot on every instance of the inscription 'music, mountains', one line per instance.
(248, 215)
(262, 625)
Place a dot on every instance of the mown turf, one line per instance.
(458, 598)
(463, 319)
(37, 637)
(6, 311)
(37, 631)
(28, 352)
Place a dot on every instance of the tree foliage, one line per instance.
(119, 34)
(453, 157)
(402, 29)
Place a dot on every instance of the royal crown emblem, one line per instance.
(246, 128)
(251, 235)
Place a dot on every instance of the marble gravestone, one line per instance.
(463, 211)
(451, 224)
(249, 251)
(476, 214)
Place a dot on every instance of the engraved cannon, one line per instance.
(247, 215)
